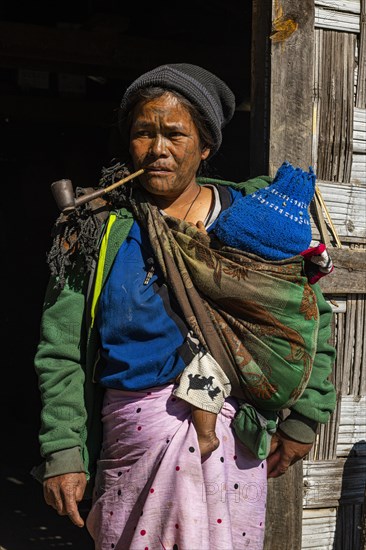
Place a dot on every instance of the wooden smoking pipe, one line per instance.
(64, 195)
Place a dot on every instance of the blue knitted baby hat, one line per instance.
(273, 222)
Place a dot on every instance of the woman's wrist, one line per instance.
(300, 428)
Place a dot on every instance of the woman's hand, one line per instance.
(64, 492)
(284, 452)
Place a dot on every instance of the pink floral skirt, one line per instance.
(154, 492)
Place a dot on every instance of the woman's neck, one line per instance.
(178, 201)
(192, 205)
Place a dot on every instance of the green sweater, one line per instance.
(70, 434)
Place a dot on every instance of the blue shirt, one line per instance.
(144, 339)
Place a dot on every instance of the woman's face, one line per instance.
(165, 142)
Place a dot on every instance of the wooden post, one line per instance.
(282, 84)
(281, 129)
(284, 511)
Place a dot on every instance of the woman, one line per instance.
(122, 331)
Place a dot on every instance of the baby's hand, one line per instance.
(200, 226)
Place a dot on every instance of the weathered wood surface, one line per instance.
(349, 275)
(282, 130)
(346, 429)
(291, 88)
(334, 103)
(333, 136)
(356, 324)
(352, 426)
(332, 528)
(328, 482)
(284, 511)
(361, 73)
(350, 6)
(339, 156)
(337, 19)
(359, 132)
(318, 528)
(325, 445)
(349, 373)
(358, 171)
(337, 303)
(346, 204)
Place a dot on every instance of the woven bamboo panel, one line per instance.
(352, 426)
(328, 482)
(333, 104)
(347, 425)
(350, 365)
(318, 528)
(346, 204)
(340, 20)
(358, 171)
(334, 472)
(350, 6)
(332, 528)
(359, 131)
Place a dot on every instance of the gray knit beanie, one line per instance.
(207, 92)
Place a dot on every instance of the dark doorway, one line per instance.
(58, 101)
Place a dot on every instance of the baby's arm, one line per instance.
(205, 424)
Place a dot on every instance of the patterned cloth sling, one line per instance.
(258, 319)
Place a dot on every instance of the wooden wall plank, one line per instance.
(325, 446)
(349, 345)
(339, 157)
(352, 425)
(361, 73)
(282, 130)
(362, 343)
(284, 511)
(341, 528)
(358, 171)
(358, 352)
(346, 204)
(361, 161)
(323, 521)
(339, 345)
(349, 275)
(334, 93)
(327, 482)
(337, 303)
(291, 87)
(359, 133)
(350, 6)
(337, 20)
(359, 116)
